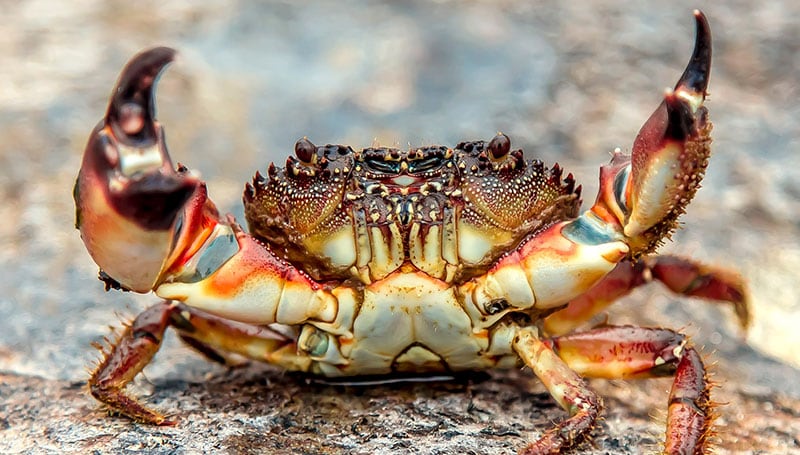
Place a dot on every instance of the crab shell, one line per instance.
(449, 213)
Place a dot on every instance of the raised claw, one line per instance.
(131, 109)
(670, 153)
(128, 194)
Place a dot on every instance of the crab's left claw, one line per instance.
(669, 156)
(128, 195)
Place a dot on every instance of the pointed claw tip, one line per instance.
(131, 110)
(698, 70)
(703, 33)
(140, 73)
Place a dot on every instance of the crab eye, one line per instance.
(495, 306)
(305, 150)
(499, 146)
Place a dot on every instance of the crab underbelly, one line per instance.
(410, 322)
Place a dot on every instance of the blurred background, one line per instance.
(567, 83)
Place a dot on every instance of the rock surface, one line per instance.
(566, 83)
(255, 411)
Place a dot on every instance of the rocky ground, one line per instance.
(566, 83)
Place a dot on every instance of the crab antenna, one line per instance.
(695, 77)
(131, 111)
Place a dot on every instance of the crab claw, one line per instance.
(128, 194)
(671, 152)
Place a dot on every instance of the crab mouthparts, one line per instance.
(404, 180)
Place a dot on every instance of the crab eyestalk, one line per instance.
(670, 153)
(128, 195)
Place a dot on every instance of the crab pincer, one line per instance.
(128, 194)
(670, 153)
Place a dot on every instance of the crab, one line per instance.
(388, 261)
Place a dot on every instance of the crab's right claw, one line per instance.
(128, 195)
(670, 153)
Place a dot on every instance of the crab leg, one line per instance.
(636, 352)
(680, 275)
(689, 417)
(569, 390)
(141, 339)
(151, 227)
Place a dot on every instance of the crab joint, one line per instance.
(320, 346)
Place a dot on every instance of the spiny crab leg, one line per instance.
(567, 388)
(151, 227)
(617, 352)
(141, 339)
(680, 275)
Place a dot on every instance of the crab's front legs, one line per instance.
(141, 339)
(645, 193)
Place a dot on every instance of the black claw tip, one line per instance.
(131, 111)
(695, 77)
(681, 121)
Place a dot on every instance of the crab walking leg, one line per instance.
(567, 388)
(693, 279)
(141, 340)
(682, 276)
(636, 352)
(689, 417)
